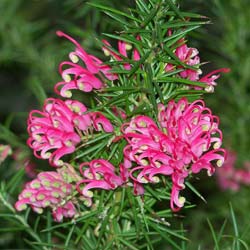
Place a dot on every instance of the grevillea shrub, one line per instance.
(119, 159)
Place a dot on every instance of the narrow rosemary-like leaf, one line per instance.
(176, 24)
(12, 229)
(116, 18)
(191, 187)
(180, 33)
(128, 244)
(175, 9)
(159, 92)
(180, 80)
(49, 223)
(151, 15)
(137, 65)
(220, 235)
(109, 9)
(83, 217)
(235, 226)
(125, 38)
(186, 14)
(35, 86)
(213, 234)
(164, 235)
(148, 78)
(14, 182)
(86, 243)
(10, 137)
(67, 242)
(142, 6)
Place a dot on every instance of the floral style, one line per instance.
(186, 141)
(48, 190)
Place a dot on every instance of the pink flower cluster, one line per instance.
(189, 56)
(231, 178)
(186, 141)
(54, 132)
(48, 190)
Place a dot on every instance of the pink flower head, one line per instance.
(53, 132)
(76, 76)
(48, 190)
(97, 174)
(123, 48)
(53, 129)
(186, 141)
(190, 57)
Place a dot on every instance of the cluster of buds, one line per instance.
(49, 189)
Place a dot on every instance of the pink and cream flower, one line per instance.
(75, 76)
(185, 141)
(56, 130)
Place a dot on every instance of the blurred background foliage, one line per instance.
(225, 43)
(29, 56)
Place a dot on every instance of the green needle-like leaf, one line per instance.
(109, 9)
(175, 9)
(213, 234)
